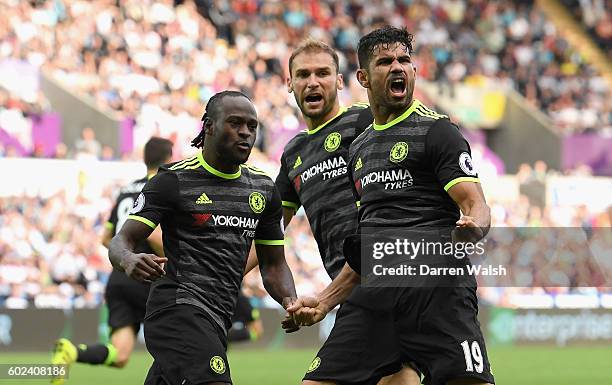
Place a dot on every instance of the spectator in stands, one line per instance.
(120, 49)
(87, 145)
(61, 151)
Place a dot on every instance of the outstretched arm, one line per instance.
(275, 273)
(308, 311)
(340, 288)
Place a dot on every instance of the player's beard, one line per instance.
(231, 154)
(239, 157)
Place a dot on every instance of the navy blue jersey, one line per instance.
(401, 171)
(209, 220)
(313, 175)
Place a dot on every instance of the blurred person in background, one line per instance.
(246, 321)
(87, 145)
(126, 298)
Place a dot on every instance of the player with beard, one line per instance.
(211, 208)
(437, 191)
(313, 175)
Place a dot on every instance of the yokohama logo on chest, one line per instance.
(225, 220)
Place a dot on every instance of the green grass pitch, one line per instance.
(511, 366)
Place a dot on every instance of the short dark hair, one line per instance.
(211, 112)
(382, 37)
(157, 151)
(313, 45)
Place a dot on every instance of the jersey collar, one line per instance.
(410, 110)
(317, 129)
(216, 172)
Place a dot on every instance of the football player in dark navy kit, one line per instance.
(125, 298)
(313, 175)
(412, 169)
(211, 208)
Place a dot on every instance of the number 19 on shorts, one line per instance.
(473, 356)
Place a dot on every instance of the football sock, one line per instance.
(97, 354)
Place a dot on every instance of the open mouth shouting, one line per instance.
(397, 87)
(313, 100)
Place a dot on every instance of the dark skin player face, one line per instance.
(231, 134)
(389, 78)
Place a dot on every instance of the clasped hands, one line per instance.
(303, 311)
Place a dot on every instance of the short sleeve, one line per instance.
(157, 199)
(289, 196)
(450, 154)
(269, 231)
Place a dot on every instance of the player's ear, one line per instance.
(289, 85)
(208, 125)
(340, 82)
(362, 78)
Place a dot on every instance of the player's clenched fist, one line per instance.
(144, 267)
(467, 230)
(307, 311)
(288, 323)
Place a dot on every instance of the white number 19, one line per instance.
(474, 356)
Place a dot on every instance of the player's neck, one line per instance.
(151, 172)
(312, 124)
(217, 162)
(384, 115)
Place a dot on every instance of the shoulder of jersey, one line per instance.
(185, 164)
(133, 187)
(295, 141)
(358, 107)
(258, 175)
(428, 114)
(252, 170)
(141, 181)
(361, 137)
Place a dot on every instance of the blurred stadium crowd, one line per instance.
(158, 62)
(595, 16)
